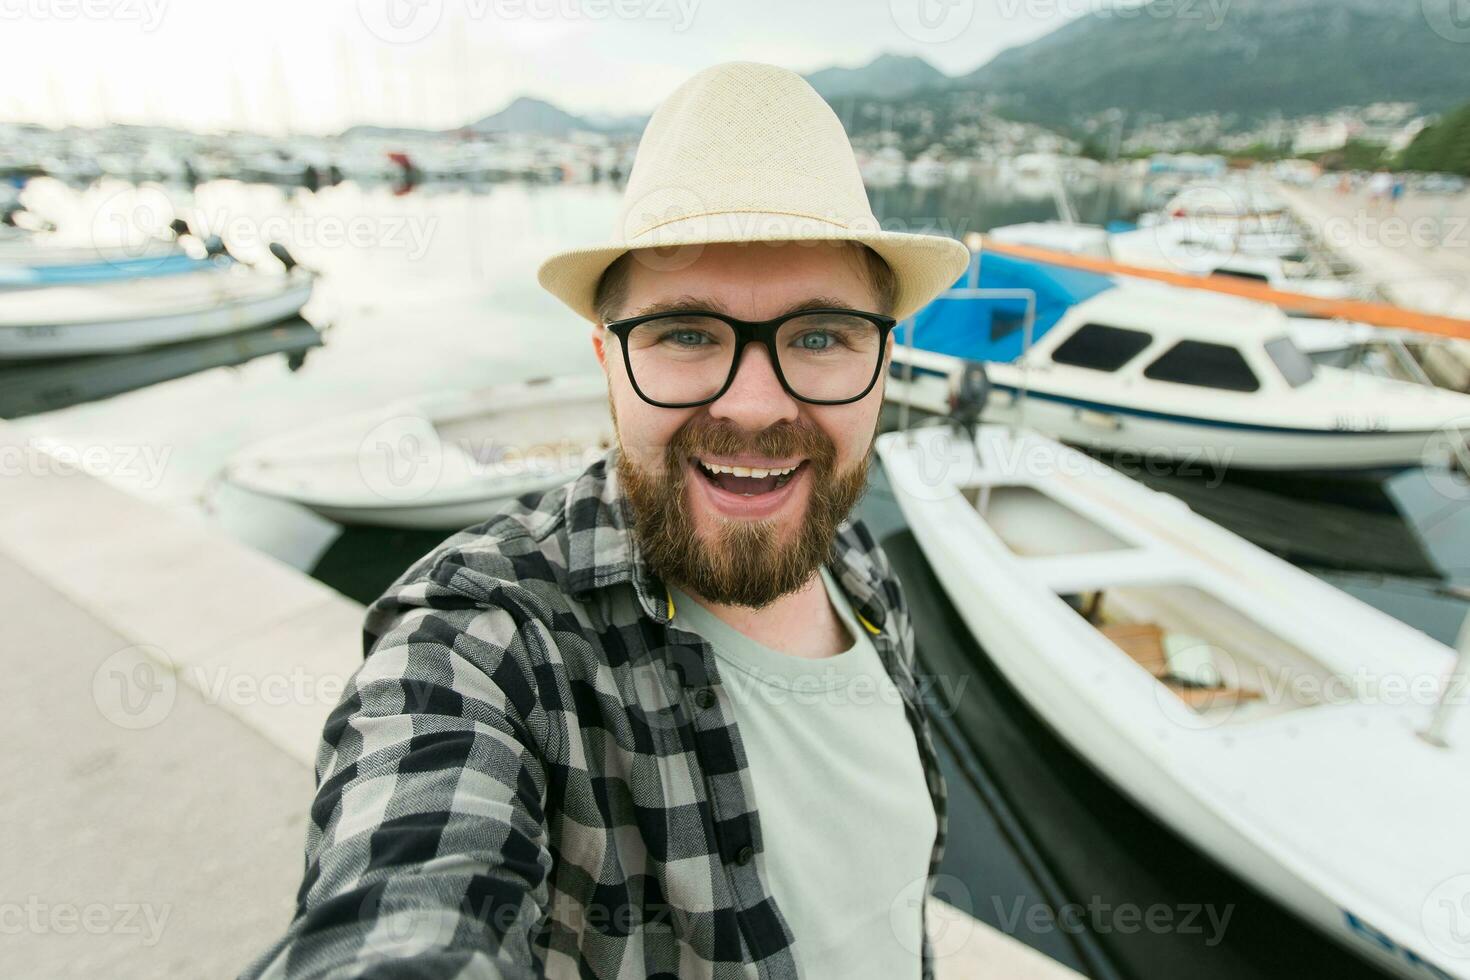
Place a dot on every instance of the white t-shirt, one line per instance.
(845, 816)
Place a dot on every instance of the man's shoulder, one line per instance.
(515, 559)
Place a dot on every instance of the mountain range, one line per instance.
(1164, 59)
(1256, 58)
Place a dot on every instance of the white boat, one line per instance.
(443, 462)
(132, 314)
(1233, 217)
(928, 172)
(1170, 246)
(1274, 722)
(884, 169)
(1162, 371)
(41, 251)
(28, 275)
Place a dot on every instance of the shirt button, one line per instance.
(704, 697)
(746, 853)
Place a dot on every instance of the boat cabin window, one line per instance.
(1242, 274)
(1101, 348)
(1295, 366)
(1194, 362)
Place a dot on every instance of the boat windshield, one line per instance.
(1295, 366)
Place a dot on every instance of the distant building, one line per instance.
(1319, 136)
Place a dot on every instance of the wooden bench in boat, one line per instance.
(1144, 643)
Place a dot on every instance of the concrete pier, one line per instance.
(164, 690)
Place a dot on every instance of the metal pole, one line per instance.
(1026, 339)
(1028, 330)
(1437, 734)
(908, 376)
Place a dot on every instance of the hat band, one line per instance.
(750, 225)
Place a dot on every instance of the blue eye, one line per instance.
(816, 340)
(687, 338)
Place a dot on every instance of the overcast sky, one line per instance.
(321, 65)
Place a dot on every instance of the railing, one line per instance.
(1437, 734)
(974, 291)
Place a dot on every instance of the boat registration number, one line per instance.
(1360, 423)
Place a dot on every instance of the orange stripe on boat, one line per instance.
(1378, 314)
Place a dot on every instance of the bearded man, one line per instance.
(663, 721)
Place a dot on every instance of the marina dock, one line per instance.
(1417, 255)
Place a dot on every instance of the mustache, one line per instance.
(705, 435)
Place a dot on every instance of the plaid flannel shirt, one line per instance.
(535, 773)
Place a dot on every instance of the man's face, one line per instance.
(744, 541)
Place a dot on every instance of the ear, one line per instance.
(599, 335)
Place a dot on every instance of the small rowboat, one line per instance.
(132, 314)
(30, 273)
(441, 462)
(1293, 734)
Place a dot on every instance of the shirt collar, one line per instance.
(601, 549)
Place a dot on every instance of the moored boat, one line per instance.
(442, 461)
(1283, 728)
(1158, 370)
(133, 314)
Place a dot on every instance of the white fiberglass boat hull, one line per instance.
(1321, 794)
(1363, 436)
(440, 462)
(106, 318)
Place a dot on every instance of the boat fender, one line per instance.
(283, 256)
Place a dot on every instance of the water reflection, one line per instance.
(47, 386)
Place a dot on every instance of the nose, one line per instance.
(755, 399)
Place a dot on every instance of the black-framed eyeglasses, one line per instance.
(686, 358)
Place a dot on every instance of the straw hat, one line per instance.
(746, 152)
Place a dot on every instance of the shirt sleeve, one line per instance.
(427, 850)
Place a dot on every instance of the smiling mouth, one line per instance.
(748, 481)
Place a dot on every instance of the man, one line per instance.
(663, 721)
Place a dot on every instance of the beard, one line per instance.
(748, 563)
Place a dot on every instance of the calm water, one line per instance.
(435, 290)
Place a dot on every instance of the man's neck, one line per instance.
(802, 623)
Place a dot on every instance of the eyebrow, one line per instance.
(711, 305)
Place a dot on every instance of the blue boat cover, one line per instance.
(992, 329)
(100, 270)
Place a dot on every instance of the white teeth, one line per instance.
(751, 471)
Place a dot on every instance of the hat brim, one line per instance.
(923, 265)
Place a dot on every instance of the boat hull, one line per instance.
(110, 336)
(1109, 723)
(1210, 444)
(436, 463)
